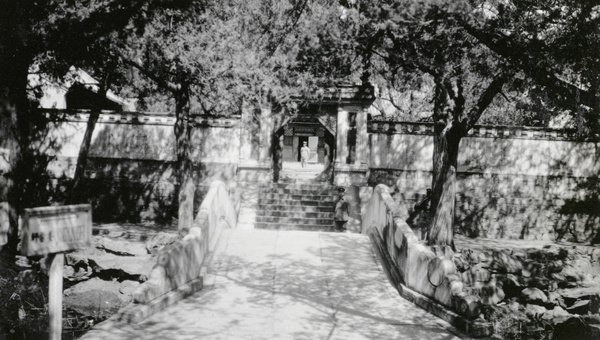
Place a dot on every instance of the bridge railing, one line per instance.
(179, 267)
(423, 274)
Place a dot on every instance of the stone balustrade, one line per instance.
(422, 274)
(179, 267)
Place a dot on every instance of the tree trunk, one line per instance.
(84, 149)
(185, 172)
(277, 151)
(445, 156)
(448, 107)
(15, 120)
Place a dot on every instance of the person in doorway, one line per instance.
(304, 153)
(342, 211)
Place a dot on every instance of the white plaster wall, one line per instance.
(152, 142)
(510, 187)
(138, 142)
(216, 145)
(533, 157)
(63, 139)
(403, 152)
(131, 141)
(506, 156)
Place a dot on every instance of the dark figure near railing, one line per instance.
(423, 205)
(342, 211)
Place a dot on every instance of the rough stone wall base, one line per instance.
(134, 312)
(474, 328)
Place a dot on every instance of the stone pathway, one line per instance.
(266, 284)
(249, 206)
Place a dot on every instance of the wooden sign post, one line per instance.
(52, 231)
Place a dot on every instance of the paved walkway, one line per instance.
(266, 284)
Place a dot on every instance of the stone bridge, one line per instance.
(269, 284)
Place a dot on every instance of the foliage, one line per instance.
(45, 36)
(510, 56)
(236, 51)
(423, 38)
(552, 45)
(557, 75)
(24, 302)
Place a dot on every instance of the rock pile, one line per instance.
(541, 290)
(99, 280)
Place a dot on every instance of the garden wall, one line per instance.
(512, 182)
(130, 174)
(167, 283)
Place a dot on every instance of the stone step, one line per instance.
(304, 186)
(297, 208)
(262, 202)
(301, 175)
(295, 214)
(299, 180)
(308, 197)
(294, 191)
(299, 169)
(295, 220)
(301, 172)
(303, 205)
(286, 226)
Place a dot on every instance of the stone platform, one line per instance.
(268, 284)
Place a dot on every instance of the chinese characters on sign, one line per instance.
(56, 229)
(52, 231)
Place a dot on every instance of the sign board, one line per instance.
(48, 230)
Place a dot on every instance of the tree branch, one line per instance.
(165, 84)
(415, 61)
(501, 44)
(484, 101)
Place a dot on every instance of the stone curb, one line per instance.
(473, 328)
(134, 312)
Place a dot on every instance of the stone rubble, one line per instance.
(557, 285)
(101, 279)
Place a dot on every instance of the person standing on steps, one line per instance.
(342, 211)
(304, 153)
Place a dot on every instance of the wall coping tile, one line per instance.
(484, 131)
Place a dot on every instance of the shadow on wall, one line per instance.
(528, 189)
(130, 174)
(129, 199)
(525, 186)
(132, 170)
(580, 217)
(38, 186)
(401, 162)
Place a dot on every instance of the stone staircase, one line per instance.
(296, 206)
(293, 172)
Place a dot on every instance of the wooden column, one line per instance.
(245, 136)
(266, 128)
(361, 138)
(342, 136)
(55, 293)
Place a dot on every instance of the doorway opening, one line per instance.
(301, 140)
